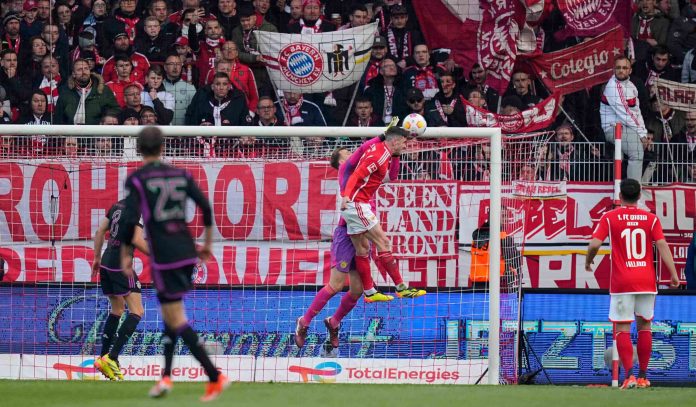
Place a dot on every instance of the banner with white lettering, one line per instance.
(273, 223)
(678, 96)
(581, 66)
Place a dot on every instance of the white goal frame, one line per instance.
(493, 134)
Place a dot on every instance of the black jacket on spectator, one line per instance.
(18, 88)
(458, 116)
(227, 23)
(155, 50)
(113, 26)
(375, 92)
(642, 70)
(682, 34)
(310, 114)
(296, 28)
(201, 109)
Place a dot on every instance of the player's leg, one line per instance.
(621, 313)
(129, 290)
(348, 302)
(645, 310)
(342, 253)
(386, 260)
(177, 283)
(135, 313)
(116, 308)
(372, 294)
(336, 283)
(359, 219)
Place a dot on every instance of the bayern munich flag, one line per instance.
(316, 62)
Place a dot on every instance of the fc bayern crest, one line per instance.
(200, 273)
(301, 63)
(586, 14)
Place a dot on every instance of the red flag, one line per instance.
(483, 31)
(535, 118)
(580, 66)
(588, 18)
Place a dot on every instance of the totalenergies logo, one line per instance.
(324, 372)
(83, 371)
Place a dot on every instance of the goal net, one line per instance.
(274, 199)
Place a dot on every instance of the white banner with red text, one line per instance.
(251, 369)
(273, 223)
(134, 368)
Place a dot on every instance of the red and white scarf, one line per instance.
(50, 89)
(564, 161)
(388, 103)
(130, 26)
(310, 29)
(372, 71)
(441, 111)
(14, 47)
(292, 111)
(394, 47)
(644, 31)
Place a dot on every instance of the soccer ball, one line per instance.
(415, 124)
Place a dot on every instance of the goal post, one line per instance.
(502, 172)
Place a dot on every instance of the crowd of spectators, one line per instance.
(197, 63)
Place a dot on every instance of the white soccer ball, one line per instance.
(415, 124)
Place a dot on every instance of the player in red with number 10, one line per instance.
(633, 283)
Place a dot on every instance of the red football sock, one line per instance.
(319, 302)
(625, 347)
(362, 266)
(644, 349)
(391, 266)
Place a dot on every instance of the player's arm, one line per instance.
(366, 167)
(139, 240)
(197, 195)
(666, 256)
(98, 243)
(130, 220)
(394, 168)
(354, 158)
(592, 250)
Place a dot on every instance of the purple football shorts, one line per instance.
(342, 250)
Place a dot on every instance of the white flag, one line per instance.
(310, 63)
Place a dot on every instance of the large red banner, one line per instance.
(581, 66)
(273, 224)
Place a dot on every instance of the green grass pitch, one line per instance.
(134, 394)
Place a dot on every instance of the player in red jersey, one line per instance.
(633, 283)
(362, 224)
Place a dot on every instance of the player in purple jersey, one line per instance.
(342, 262)
(159, 191)
(119, 289)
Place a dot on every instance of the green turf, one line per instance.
(133, 394)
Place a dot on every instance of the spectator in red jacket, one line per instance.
(140, 62)
(241, 75)
(124, 77)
